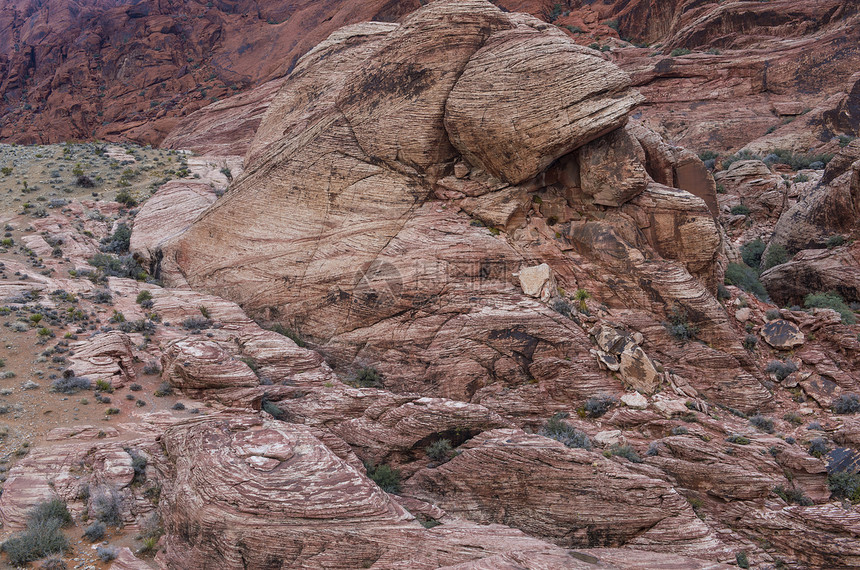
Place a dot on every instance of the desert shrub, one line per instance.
(752, 251)
(272, 409)
(679, 51)
(70, 384)
(750, 341)
(844, 485)
(793, 496)
(742, 560)
(40, 540)
(846, 404)
(106, 553)
(596, 406)
(780, 368)
(814, 426)
(772, 314)
(625, 451)
(53, 563)
(196, 323)
(708, 155)
(679, 325)
(152, 368)
(138, 463)
(290, 334)
(123, 266)
(144, 295)
(102, 296)
(179, 406)
(818, 447)
(722, 292)
(680, 430)
(835, 241)
(793, 418)
(559, 430)
(106, 506)
(746, 278)
(50, 510)
(119, 241)
(776, 255)
(830, 300)
(798, 161)
(738, 439)
(104, 386)
(762, 423)
(439, 451)
(384, 476)
(85, 181)
(367, 377)
(740, 210)
(561, 306)
(164, 389)
(95, 532)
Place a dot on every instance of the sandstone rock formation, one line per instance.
(389, 241)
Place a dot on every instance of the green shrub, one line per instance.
(384, 476)
(830, 300)
(164, 389)
(740, 210)
(290, 334)
(793, 418)
(776, 255)
(746, 278)
(555, 428)
(625, 451)
(818, 447)
(440, 450)
(793, 496)
(772, 314)
(708, 155)
(845, 485)
(367, 377)
(104, 386)
(679, 51)
(272, 409)
(144, 295)
(835, 241)
(742, 155)
(738, 439)
(750, 342)
(679, 325)
(752, 251)
(119, 241)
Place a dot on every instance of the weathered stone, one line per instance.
(538, 281)
(610, 170)
(515, 129)
(635, 400)
(782, 334)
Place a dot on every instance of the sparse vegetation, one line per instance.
(290, 334)
(846, 404)
(557, 429)
(752, 251)
(793, 496)
(679, 325)
(43, 536)
(440, 450)
(596, 406)
(845, 485)
(762, 423)
(818, 447)
(780, 368)
(95, 532)
(738, 439)
(625, 451)
(70, 384)
(105, 504)
(367, 377)
(776, 255)
(740, 210)
(384, 476)
(750, 342)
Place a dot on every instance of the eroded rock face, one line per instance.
(514, 129)
(508, 488)
(812, 271)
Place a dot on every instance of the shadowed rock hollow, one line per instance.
(403, 176)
